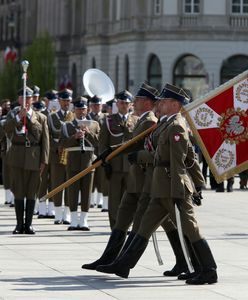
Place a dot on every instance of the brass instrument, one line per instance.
(63, 153)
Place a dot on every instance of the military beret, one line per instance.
(173, 92)
(51, 95)
(65, 94)
(38, 105)
(95, 100)
(80, 102)
(124, 96)
(36, 90)
(29, 92)
(147, 91)
(110, 102)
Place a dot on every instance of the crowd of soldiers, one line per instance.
(49, 141)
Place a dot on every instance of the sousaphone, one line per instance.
(96, 82)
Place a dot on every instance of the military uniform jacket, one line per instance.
(19, 155)
(55, 122)
(115, 132)
(170, 178)
(138, 175)
(100, 118)
(78, 161)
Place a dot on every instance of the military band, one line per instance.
(144, 184)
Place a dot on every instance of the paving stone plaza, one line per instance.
(48, 264)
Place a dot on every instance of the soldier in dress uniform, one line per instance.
(117, 129)
(26, 157)
(36, 94)
(80, 137)
(95, 104)
(170, 185)
(136, 196)
(4, 146)
(58, 155)
(46, 210)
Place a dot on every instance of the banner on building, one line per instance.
(219, 121)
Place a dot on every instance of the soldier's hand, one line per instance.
(197, 197)
(178, 203)
(102, 156)
(132, 157)
(22, 113)
(79, 134)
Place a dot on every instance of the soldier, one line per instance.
(79, 140)
(36, 94)
(46, 211)
(95, 104)
(170, 185)
(58, 155)
(117, 129)
(27, 157)
(5, 144)
(136, 196)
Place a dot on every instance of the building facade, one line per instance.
(196, 44)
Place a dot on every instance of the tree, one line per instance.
(41, 57)
(10, 80)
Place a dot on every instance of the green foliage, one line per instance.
(41, 57)
(10, 81)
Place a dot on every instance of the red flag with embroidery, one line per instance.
(219, 121)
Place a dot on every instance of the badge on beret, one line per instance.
(176, 137)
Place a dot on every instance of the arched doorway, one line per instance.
(190, 74)
(233, 66)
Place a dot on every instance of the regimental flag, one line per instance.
(219, 121)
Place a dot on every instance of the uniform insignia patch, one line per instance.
(176, 137)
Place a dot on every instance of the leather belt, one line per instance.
(25, 144)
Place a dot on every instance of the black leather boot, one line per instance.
(220, 188)
(30, 204)
(113, 248)
(230, 183)
(122, 265)
(194, 261)
(19, 211)
(181, 265)
(128, 241)
(208, 274)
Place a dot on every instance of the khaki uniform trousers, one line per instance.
(161, 208)
(83, 185)
(45, 185)
(117, 187)
(132, 209)
(25, 183)
(58, 176)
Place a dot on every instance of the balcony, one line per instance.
(239, 22)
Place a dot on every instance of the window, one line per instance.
(239, 6)
(191, 6)
(233, 66)
(126, 73)
(157, 7)
(189, 73)
(154, 73)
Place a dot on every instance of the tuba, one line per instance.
(96, 82)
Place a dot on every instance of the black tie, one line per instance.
(123, 119)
